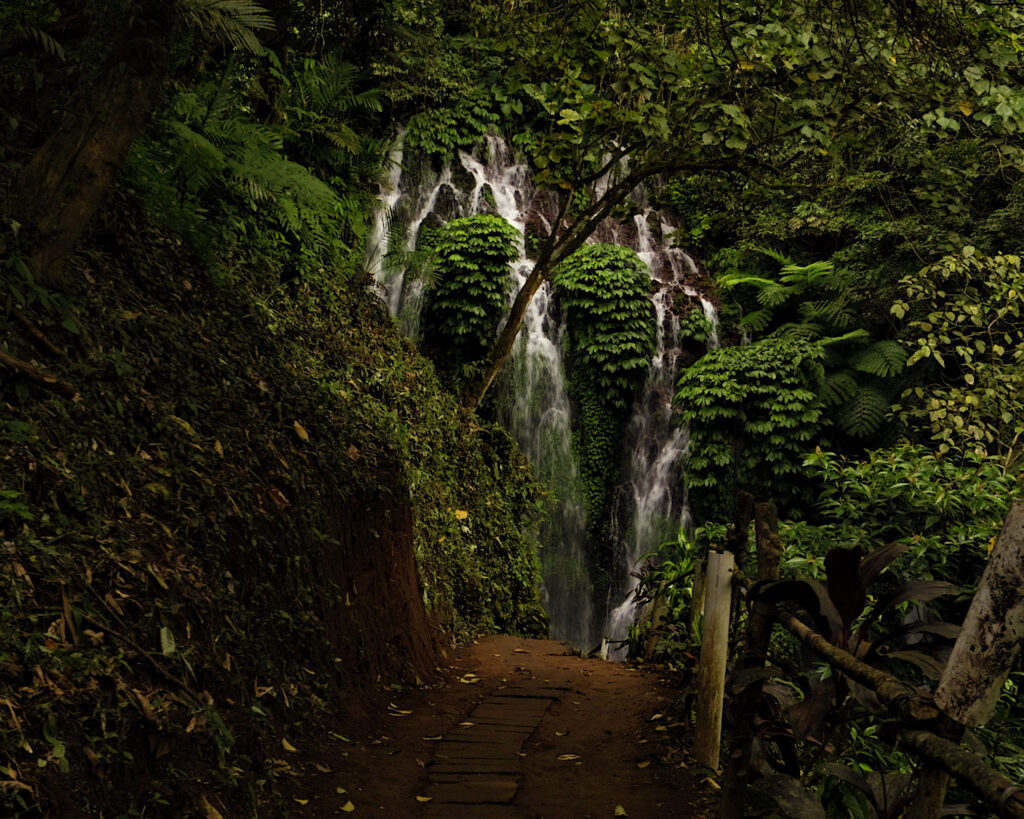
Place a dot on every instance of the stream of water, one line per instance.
(535, 407)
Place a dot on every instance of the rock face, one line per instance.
(988, 645)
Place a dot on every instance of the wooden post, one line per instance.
(714, 653)
(760, 619)
(990, 640)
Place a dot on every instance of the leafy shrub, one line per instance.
(964, 331)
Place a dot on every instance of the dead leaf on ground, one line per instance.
(620, 811)
(568, 757)
(348, 807)
(288, 746)
(300, 431)
(424, 798)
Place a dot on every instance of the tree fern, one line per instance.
(838, 388)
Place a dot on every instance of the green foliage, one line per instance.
(752, 411)
(817, 302)
(472, 280)
(946, 510)
(965, 336)
(603, 290)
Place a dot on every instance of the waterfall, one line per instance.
(535, 406)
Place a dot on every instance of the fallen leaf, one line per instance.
(209, 811)
(620, 811)
(424, 798)
(353, 452)
(466, 724)
(300, 431)
(561, 733)
(288, 746)
(301, 801)
(461, 514)
(277, 496)
(656, 716)
(340, 790)
(348, 807)
(643, 764)
(438, 738)
(421, 763)
(218, 448)
(322, 768)
(568, 757)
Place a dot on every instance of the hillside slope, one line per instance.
(258, 506)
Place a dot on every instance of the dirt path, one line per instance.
(518, 728)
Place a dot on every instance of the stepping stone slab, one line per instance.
(457, 766)
(449, 810)
(481, 790)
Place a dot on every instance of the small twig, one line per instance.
(37, 335)
(38, 376)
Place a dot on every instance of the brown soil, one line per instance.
(620, 721)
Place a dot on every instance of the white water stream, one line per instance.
(649, 507)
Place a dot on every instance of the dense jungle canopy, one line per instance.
(235, 498)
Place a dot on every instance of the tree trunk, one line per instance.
(714, 654)
(59, 190)
(988, 645)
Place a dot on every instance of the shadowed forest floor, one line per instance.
(516, 728)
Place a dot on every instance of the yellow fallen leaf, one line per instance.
(288, 746)
(561, 733)
(438, 738)
(643, 764)
(340, 790)
(322, 768)
(466, 724)
(218, 448)
(348, 807)
(301, 801)
(424, 798)
(300, 431)
(461, 514)
(620, 811)
(209, 811)
(568, 757)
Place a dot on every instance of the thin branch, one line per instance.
(38, 376)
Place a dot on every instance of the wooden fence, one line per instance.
(932, 724)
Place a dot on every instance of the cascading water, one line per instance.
(535, 407)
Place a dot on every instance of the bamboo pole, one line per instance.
(714, 654)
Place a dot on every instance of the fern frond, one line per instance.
(781, 258)
(793, 329)
(837, 388)
(860, 334)
(48, 43)
(233, 21)
(756, 320)
(812, 275)
(883, 358)
(864, 412)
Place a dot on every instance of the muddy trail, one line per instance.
(515, 728)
